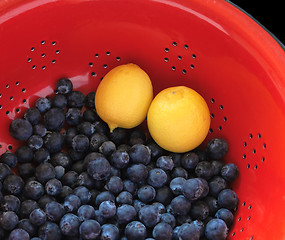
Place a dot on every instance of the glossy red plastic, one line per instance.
(209, 45)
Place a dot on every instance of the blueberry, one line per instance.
(49, 231)
(8, 220)
(119, 159)
(159, 207)
(200, 226)
(126, 213)
(175, 233)
(182, 218)
(168, 218)
(90, 100)
(59, 101)
(229, 172)
(227, 198)
(199, 210)
(188, 231)
(4, 171)
(217, 167)
(33, 190)
(146, 193)
(9, 158)
(216, 229)
(162, 231)
(115, 172)
(96, 140)
(83, 193)
(138, 204)
(118, 136)
(41, 155)
(53, 142)
(176, 185)
(80, 143)
(157, 177)
(140, 153)
(71, 203)
(73, 116)
(19, 234)
(20, 129)
(26, 225)
(216, 185)
(84, 179)
(86, 128)
(76, 156)
(149, 215)
(165, 163)
(180, 205)
(54, 211)
(212, 203)
(86, 212)
(217, 148)
(100, 219)
(204, 170)
(109, 231)
(130, 186)
(226, 215)
(107, 209)
(104, 196)
(90, 115)
(89, 230)
(61, 159)
(189, 160)
(44, 172)
(135, 230)
(10, 203)
(155, 150)
(99, 168)
(13, 184)
(43, 104)
(44, 200)
(38, 217)
(164, 195)
(66, 190)
(39, 129)
(114, 185)
(176, 158)
(69, 225)
(193, 189)
(24, 154)
(107, 148)
(26, 170)
(179, 172)
(124, 147)
(54, 119)
(64, 86)
(206, 187)
(53, 187)
(69, 134)
(137, 172)
(27, 207)
(75, 99)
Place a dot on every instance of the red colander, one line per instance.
(208, 45)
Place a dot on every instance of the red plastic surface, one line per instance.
(209, 46)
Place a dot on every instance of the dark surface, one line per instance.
(267, 13)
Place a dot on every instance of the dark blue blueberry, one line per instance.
(115, 172)
(44, 172)
(91, 157)
(162, 231)
(53, 187)
(59, 101)
(99, 168)
(199, 210)
(83, 193)
(189, 160)
(9, 158)
(4, 171)
(10, 203)
(229, 172)
(155, 150)
(164, 195)
(137, 172)
(102, 127)
(193, 189)
(20, 129)
(180, 205)
(216, 229)
(90, 115)
(212, 203)
(26, 225)
(206, 188)
(120, 159)
(26, 170)
(179, 172)
(140, 153)
(38, 217)
(130, 186)
(107, 148)
(54, 119)
(159, 207)
(75, 99)
(168, 218)
(89, 230)
(104, 196)
(13, 184)
(226, 215)
(76, 156)
(217, 167)
(86, 128)
(107, 209)
(70, 179)
(8, 220)
(146, 193)
(188, 231)
(126, 213)
(71, 203)
(157, 177)
(49, 231)
(175, 233)
(53, 142)
(64, 86)
(96, 140)
(33, 190)
(73, 116)
(69, 134)
(54, 211)
(41, 155)
(110, 231)
(86, 212)
(217, 148)
(114, 185)
(69, 225)
(61, 159)
(90, 100)
(176, 158)
(138, 204)
(44, 200)
(27, 207)
(199, 225)
(118, 136)
(204, 170)
(19, 234)
(227, 198)
(80, 143)
(100, 219)
(165, 163)
(149, 215)
(43, 104)
(39, 129)
(182, 219)
(176, 185)
(216, 185)
(24, 154)
(66, 190)
(135, 230)
(84, 179)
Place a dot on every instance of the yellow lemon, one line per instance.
(178, 119)
(123, 97)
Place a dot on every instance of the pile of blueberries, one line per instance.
(74, 179)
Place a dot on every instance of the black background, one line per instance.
(270, 13)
